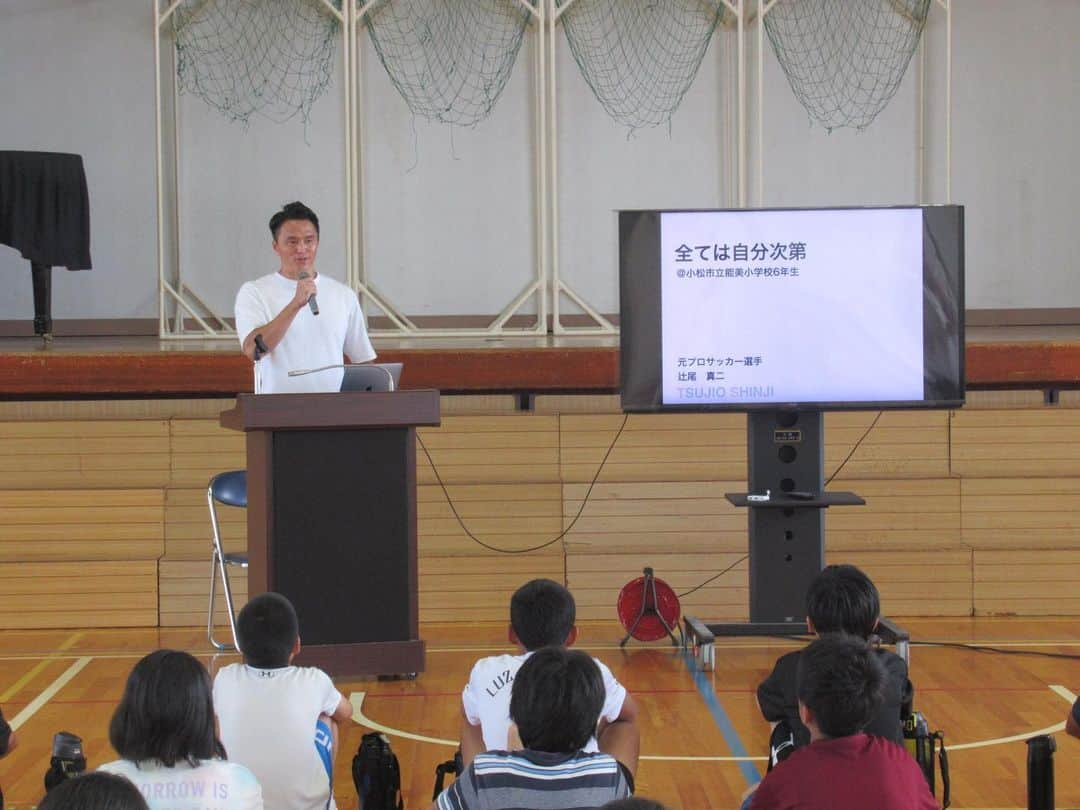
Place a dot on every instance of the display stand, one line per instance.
(332, 521)
(785, 451)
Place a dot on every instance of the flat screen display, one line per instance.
(839, 308)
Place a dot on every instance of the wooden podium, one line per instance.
(331, 521)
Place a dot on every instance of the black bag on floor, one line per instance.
(922, 744)
(376, 774)
(454, 767)
(782, 743)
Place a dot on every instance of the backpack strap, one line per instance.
(938, 738)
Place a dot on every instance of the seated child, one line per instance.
(557, 695)
(279, 720)
(542, 614)
(839, 683)
(163, 730)
(840, 599)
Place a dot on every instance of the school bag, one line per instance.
(376, 774)
(453, 767)
(922, 744)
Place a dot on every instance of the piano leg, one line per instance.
(42, 277)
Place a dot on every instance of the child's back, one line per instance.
(841, 599)
(267, 720)
(542, 614)
(839, 682)
(279, 720)
(779, 702)
(486, 698)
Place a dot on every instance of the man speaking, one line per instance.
(297, 318)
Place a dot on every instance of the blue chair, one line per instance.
(230, 489)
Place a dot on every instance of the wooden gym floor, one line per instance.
(693, 724)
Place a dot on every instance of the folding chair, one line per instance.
(230, 489)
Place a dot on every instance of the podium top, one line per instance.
(362, 410)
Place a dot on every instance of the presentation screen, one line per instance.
(839, 308)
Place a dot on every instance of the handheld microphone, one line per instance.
(311, 302)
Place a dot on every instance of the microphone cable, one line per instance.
(546, 543)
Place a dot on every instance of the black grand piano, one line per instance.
(45, 215)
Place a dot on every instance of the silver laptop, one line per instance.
(371, 377)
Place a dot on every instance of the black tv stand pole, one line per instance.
(785, 454)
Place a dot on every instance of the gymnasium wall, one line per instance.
(449, 227)
(103, 518)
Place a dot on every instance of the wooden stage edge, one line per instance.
(146, 367)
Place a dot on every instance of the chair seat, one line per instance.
(230, 488)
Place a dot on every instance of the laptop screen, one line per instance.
(371, 377)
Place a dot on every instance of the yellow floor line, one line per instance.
(32, 707)
(13, 690)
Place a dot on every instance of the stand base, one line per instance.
(701, 637)
(758, 629)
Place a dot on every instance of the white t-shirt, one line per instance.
(214, 785)
(266, 718)
(312, 341)
(486, 698)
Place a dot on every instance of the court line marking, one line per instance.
(1063, 692)
(38, 668)
(1057, 689)
(357, 701)
(32, 707)
(361, 719)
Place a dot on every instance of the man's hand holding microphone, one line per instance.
(305, 293)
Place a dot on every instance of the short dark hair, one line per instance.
(841, 681)
(267, 629)
(166, 712)
(556, 700)
(542, 613)
(289, 211)
(843, 599)
(97, 790)
(633, 803)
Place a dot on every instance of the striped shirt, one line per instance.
(537, 780)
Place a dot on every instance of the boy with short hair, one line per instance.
(840, 599)
(279, 720)
(840, 682)
(542, 614)
(556, 699)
